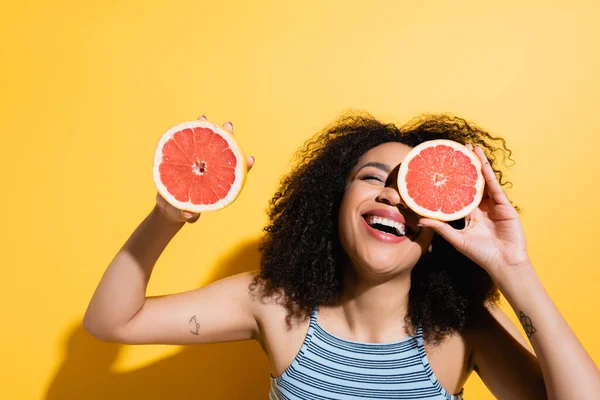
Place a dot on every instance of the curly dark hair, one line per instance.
(301, 252)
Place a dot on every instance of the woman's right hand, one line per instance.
(178, 215)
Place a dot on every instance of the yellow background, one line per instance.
(87, 88)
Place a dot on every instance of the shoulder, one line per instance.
(490, 345)
(281, 331)
(494, 336)
(252, 297)
(490, 325)
(451, 361)
(502, 357)
(271, 308)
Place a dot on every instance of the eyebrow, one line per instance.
(381, 166)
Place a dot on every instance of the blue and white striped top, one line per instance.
(330, 368)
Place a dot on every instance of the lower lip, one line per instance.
(383, 236)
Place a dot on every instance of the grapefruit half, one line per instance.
(441, 179)
(198, 166)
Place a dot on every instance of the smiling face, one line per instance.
(377, 231)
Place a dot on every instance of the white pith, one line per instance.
(400, 228)
(240, 168)
(479, 184)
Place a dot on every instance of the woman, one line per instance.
(357, 296)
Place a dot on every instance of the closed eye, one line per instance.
(371, 177)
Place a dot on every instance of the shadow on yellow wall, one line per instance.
(214, 371)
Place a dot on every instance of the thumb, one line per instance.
(443, 229)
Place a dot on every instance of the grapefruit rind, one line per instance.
(240, 169)
(479, 184)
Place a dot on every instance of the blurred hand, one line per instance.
(178, 215)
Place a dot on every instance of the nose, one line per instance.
(389, 195)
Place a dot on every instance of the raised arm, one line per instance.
(120, 311)
(494, 239)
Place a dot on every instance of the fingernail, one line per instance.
(420, 225)
(252, 157)
(202, 117)
(187, 215)
(230, 123)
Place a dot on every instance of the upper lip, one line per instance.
(389, 214)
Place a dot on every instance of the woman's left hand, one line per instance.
(493, 236)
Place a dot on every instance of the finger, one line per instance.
(249, 162)
(484, 206)
(228, 126)
(486, 193)
(190, 216)
(494, 188)
(202, 118)
(451, 235)
(193, 219)
(468, 219)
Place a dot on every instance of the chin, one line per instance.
(387, 264)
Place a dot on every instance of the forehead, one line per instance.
(392, 154)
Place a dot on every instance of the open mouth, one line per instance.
(389, 226)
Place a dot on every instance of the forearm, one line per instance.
(569, 372)
(121, 292)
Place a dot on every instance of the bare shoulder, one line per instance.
(451, 361)
(266, 307)
(503, 358)
(271, 306)
(281, 331)
(493, 347)
(273, 312)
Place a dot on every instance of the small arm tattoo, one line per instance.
(194, 326)
(527, 324)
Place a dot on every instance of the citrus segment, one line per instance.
(441, 179)
(199, 167)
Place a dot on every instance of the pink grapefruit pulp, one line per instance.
(441, 179)
(198, 166)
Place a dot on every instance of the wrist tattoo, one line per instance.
(527, 324)
(194, 326)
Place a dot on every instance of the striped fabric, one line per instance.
(331, 368)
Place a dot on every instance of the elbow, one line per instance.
(98, 331)
(101, 335)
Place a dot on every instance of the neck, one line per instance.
(375, 309)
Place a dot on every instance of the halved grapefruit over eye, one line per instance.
(198, 166)
(441, 179)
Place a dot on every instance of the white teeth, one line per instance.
(400, 228)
